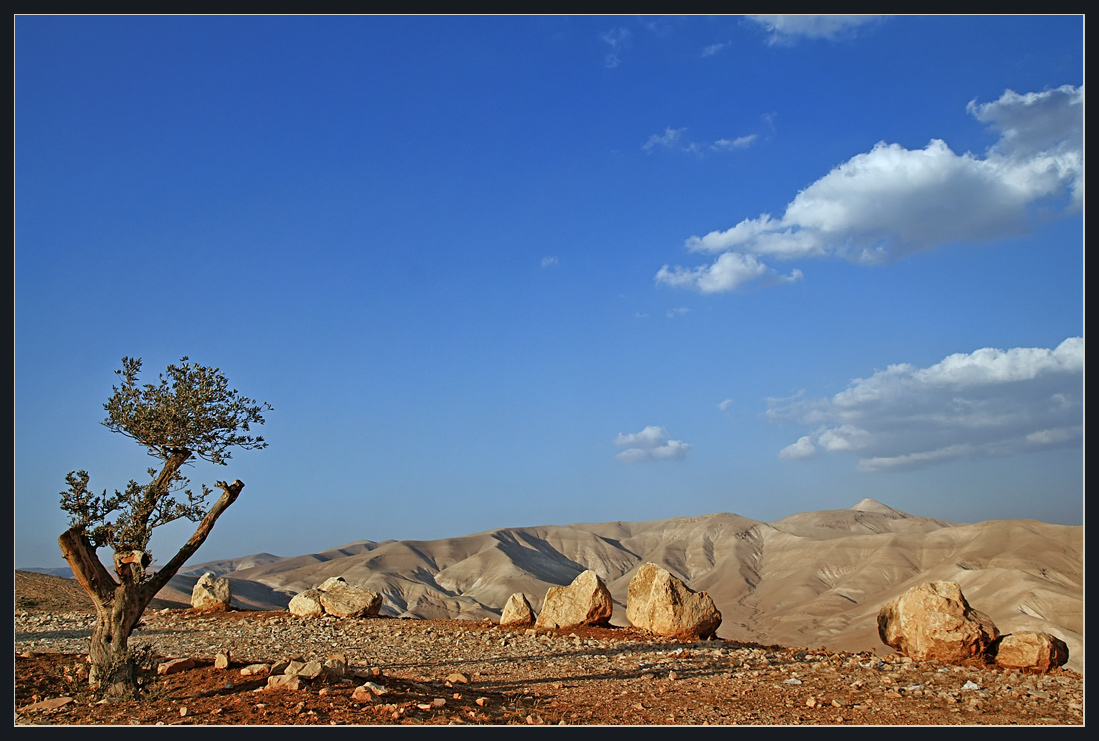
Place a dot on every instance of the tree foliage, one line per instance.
(191, 411)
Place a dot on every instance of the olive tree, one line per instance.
(191, 413)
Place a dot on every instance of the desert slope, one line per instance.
(810, 579)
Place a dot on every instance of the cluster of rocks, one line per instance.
(934, 621)
(656, 601)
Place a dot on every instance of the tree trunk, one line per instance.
(112, 668)
(120, 604)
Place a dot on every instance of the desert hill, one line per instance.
(810, 579)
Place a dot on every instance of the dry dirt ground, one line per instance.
(436, 672)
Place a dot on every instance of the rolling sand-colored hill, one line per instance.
(811, 579)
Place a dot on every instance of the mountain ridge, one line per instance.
(808, 579)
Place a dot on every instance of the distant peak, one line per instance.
(871, 505)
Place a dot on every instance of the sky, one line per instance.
(514, 271)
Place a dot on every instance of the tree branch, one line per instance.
(86, 566)
(163, 575)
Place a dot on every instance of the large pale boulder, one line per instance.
(307, 604)
(662, 604)
(586, 601)
(211, 594)
(934, 622)
(348, 600)
(517, 611)
(1039, 652)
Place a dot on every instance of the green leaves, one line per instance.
(191, 409)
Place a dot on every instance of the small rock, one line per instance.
(175, 666)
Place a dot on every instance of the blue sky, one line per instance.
(508, 271)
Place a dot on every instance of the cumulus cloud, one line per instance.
(729, 271)
(890, 202)
(803, 448)
(549, 262)
(651, 444)
(786, 29)
(986, 403)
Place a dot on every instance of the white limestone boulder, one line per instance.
(586, 601)
(517, 611)
(1037, 652)
(211, 594)
(341, 599)
(934, 621)
(662, 604)
(307, 604)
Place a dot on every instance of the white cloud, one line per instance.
(890, 202)
(677, 311)
(651, 444)
(549, 262)
(741, 142)
(789, 28)
(668, 139)
(724, 405)
(728, 272)
(617, 39)
(800, 450)
(712, 49)
(675, 139)
(986, 403)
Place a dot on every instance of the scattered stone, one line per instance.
(222, 660)
(211, 594)
(457, 678)
(310, 670)
(934, 622)
(664, 605)
(254, 669)
(51, 704)
(175, 666)
(1039, 652)
(517, 611)
(335, 667)
(284, 681)
(586, 601)
(362, 694)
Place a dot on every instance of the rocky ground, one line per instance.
(462, 672)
